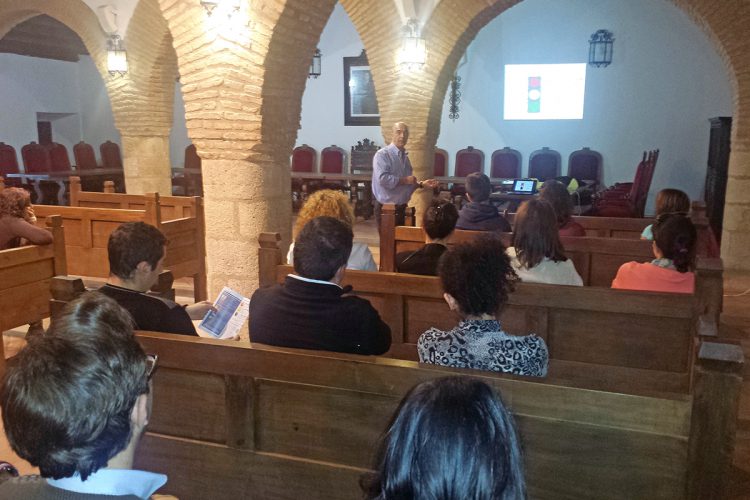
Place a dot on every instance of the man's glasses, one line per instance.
(151, 362)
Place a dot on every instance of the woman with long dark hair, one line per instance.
(451, 438)
(537, 254)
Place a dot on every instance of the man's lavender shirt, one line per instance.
(387, 168)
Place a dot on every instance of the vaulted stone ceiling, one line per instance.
(43, 36)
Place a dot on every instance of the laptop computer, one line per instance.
(524, 186)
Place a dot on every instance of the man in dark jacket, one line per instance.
(479, 214)
(310, 310)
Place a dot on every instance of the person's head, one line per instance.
(478, 187)
(535, 234)
(674, 238)
(77, 396)
(400, 134)
(14, 202)
(672, 201)
(439, 220)
(450, 438)
(477, 276)
(556, 194)
(325, 203)
(136, 253)
(322, 248)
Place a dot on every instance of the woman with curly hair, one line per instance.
(16, 220)
(330, 203)
(672, 269)
(477, 278)
(537, 254)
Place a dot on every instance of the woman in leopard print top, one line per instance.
(477, 278)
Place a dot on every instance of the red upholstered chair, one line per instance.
(111, 157)
(84, 156)
(9, 164)
(629, 199)
(8, 160)
(303, 159)
(332, 160)
(59, 159)
(505, 164)
(192, 160)
(468, 161)
(544, 164)
(36, 158)
(586, 165)
(440, 165)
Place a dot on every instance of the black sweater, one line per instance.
(316, 316)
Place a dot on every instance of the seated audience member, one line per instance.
(476, 279)
(556, 194)
(75, 403)
(136, 258)
(451, 438)
(671, 271)
(668, 201)
(311, 310)
(438, 223)
(537, 254)
(479, 214)
(330, 203)
(17, 220)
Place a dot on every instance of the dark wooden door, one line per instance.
(717, 171)
(44, 130)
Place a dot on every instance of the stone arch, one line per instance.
(141, 101)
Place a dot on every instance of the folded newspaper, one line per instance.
(231, 311)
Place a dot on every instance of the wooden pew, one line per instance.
(607, 227)
(232, 420)
(25, 275)
(87, 232)
(596, 259)
(597, 337)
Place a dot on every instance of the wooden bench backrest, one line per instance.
(596, 336)
(236, 421)
(607, 227)
(87, 232)
(170, 207)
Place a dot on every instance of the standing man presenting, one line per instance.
(392, 176)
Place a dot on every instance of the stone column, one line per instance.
(146, 164)
(422, 159)
(735, 240)
(242, 199)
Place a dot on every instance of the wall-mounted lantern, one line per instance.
(117, 58)
(413, 53)
(600, 48)
(315, 66)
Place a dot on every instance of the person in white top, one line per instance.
(330, 203)
(537, 255)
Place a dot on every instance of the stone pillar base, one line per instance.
(146, 163)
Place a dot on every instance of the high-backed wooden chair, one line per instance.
(304, 159)
(629, 199)
(506, 164)
(192, 160)
(58, 156)
(332, 160)
(468, 161)
(544, 164)
(9, 164)
(84, 156)
(440, 165)
(111, 157)
(586, 165)
(35, 158)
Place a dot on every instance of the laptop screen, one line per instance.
(524, 186)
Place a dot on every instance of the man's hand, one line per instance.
(430, 183)
(199, 309)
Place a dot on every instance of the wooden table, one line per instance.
(60, 177)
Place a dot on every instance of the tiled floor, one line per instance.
(735, 325)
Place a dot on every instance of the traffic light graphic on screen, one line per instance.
(535, 94)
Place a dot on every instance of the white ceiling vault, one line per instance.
(420, 10)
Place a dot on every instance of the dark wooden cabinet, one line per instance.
(717, 172)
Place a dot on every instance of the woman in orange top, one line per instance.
(671, 271)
